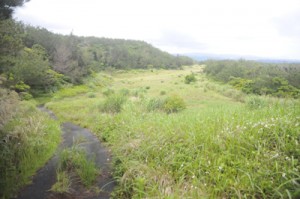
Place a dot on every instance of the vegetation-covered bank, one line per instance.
(279, 80)
(221, 143)
(28, 138)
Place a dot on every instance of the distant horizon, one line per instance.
(244, 28)
(205, 56)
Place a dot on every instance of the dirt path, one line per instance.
(46, 176)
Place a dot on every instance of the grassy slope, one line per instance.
(224, 144)
(28, 141)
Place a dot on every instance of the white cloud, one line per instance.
(244, 27)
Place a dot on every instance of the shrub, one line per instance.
(113, 103)
(25, 96)
(190, 78)
(173, 104)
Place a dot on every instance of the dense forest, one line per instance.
(34, 59)
(280, 80)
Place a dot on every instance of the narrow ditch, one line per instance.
(46, 176)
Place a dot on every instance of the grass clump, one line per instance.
(63, 183)
(155, 104)
(256, 102)
(113, 103)
(108, 92)
(75, 160)
(91, 95)
(170, 104)
(163, 92)
(173, 104)
(190, 78)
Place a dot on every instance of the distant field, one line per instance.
(171, 139)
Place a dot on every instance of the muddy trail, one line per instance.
(46, 176)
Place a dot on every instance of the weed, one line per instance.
(63, 183)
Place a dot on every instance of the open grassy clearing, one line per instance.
(223, 145)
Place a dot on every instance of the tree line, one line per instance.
(33, 59)
(280, 80)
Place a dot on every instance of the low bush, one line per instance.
(113, 103)
(190, 78)
(173, 104)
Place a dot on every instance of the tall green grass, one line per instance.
(27, 141)
(219, 147)
(75, 160)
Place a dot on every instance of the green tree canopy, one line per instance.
(7, 6)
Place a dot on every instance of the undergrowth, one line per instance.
(28, 138)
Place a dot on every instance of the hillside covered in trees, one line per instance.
(38, 60)
(280, 80)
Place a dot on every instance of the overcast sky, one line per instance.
(263, 28)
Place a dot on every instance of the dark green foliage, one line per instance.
(6, 7)
(43, 60)
(190, 78)
(281, 80)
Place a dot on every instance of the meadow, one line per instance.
(172, 138)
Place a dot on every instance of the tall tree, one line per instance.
(7, 7)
